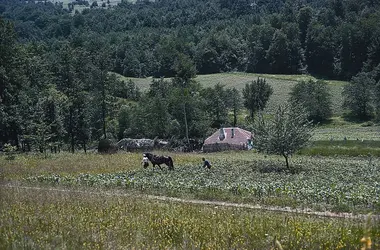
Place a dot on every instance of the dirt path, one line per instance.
(205, 202)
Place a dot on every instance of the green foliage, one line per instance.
(314, 97)
(12, 62)
(9, 151)
(377, 100)
(256, 95)
(127, 90)
(216, 105)
(124, 120)
(320, 49)
(235, 104)
(279, 54)
(359, 96)
(304, 18)
(106, 146)
(285, 133)
(213, 34)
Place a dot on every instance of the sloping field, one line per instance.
(282, 85)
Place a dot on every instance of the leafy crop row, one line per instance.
(325, 183)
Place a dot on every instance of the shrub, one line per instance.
(10, 151)
(106, 146)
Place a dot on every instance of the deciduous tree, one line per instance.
(358, 96)
(315, 97)
(256, 95)
(285, 133)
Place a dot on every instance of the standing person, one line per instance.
(145, 161)
(206, 163)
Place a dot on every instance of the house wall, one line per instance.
(215, 147)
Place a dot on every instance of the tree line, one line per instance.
(67, 96)
(330, 38)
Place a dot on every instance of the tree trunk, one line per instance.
(102, 78)
(235, 117)
(72, 141)
(186, 126)
(104, 116)
(84, 147)
(15, 136)
(286, 160)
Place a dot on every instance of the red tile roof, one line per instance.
(240, 136)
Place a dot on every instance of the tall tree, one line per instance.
(124, 121)
(315, 97)
(38, 95)
(216, 104)
(278, 54)
(12, 80)
(185, 72)
(101, 87)
(305, 15)
(256, 95)
(259, 40)
(377, 100)
(157, 117)
(234, 103)
(358, 96)
(68, 84)
(320, 49)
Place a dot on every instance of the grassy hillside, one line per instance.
(281, 84)
(337, 129)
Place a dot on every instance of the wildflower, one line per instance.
(367, 243)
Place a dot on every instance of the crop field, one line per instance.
(368, 148)
(281, 84)
(351, 132)
(98, 201)
(322, 183)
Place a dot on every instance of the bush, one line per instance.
(106, 146)
(10, 151)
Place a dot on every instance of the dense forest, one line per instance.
(56, 89)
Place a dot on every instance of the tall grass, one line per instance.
(37, 219)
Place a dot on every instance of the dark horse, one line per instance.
(160, 159)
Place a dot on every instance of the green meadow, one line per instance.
(281, 85)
